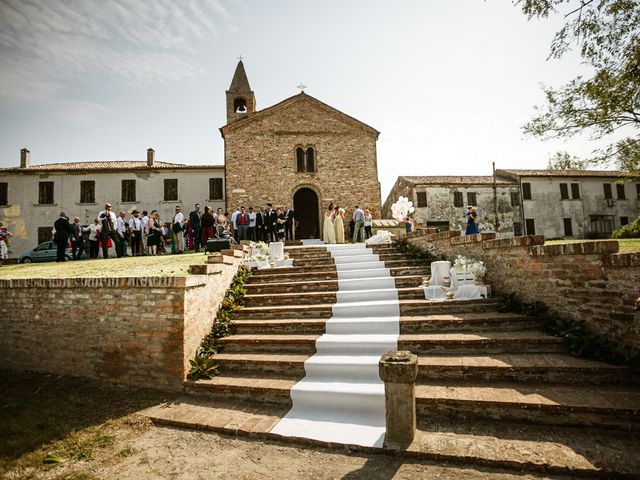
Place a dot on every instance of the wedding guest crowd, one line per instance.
(147, 234)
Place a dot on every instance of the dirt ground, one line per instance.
(95, 433)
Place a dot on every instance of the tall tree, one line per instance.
(607, 36)
(564, 161)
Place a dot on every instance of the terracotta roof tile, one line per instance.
(106, 166)
(457, 180)
(564, 173)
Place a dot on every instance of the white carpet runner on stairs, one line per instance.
(341, 398)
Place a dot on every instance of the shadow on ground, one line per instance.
(36, 409)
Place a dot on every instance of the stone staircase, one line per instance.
(485, 378)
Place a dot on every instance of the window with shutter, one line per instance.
(575, 191)
(87, 191)
(170, 189)
(472, 199)
(568, 227)
(458, 201)
(128, 191)
(608, 192)
(45, 193)
(564, 191)
(215, 189)
(620, 191)
(526, 191)
(515, 199)
(4, 193)
(421, 197)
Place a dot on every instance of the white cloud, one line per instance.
(46, 45)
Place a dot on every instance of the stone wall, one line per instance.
(345, 155)
(135, 331)
(587, 281)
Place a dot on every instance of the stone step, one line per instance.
(319, 285)
(608, 406)
(310, 254)
(331, 267)
(280, 275)
(320, 250)
(313, 298)
(462, 322)
(572, 405)
(432, 344)
(528, 367)
(407, 308)
(309, 261)
(576, 452)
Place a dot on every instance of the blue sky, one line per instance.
(447, 83)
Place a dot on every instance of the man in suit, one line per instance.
(271, 223)
(289, 216)
(260, 224)
(63, 230)
(195, 219)
(242, 224)
(77, 243)
(108, 231)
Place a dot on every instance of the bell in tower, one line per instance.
(240, 97)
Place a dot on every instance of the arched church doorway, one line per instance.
(306, 208)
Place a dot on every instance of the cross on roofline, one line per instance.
(240, 58)
(302, 86)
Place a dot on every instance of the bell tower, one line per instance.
(240, 98)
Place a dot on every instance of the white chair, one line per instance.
(459, 278)
(276, 251)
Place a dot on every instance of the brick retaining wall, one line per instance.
(587, 281)
(135, 331)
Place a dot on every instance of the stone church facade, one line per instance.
(301, 153)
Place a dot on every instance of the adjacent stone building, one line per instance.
(441, 201)
(299, 152)
(575, 203)
(553, 203)
(32, 196)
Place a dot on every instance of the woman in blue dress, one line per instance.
(472, 226)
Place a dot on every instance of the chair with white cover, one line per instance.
(276, 251)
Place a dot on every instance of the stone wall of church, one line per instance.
(583, 281)
(260, 160)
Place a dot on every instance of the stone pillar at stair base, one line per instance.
(398, 371)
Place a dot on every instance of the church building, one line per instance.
(301, 153)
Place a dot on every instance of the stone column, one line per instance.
(398, 371)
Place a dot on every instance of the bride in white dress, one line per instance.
(328, 230)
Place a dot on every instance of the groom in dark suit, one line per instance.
(64, 230)
(271, 223)
(289, 216)
(260, 224)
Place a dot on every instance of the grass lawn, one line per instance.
(160, 266)
(627, 245)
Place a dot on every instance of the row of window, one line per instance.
(600, 224)
(574, 189)
(127, 193)
(458, 199)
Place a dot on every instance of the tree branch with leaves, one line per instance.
(607, 35)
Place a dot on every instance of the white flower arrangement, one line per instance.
(262, 247)
(260, 257)
(470, 265)
(401, 209)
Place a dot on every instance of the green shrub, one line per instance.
(632, 230)
(202, 365)
(414, 251)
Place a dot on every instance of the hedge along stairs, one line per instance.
(493, 389)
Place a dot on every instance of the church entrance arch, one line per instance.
(307, 212)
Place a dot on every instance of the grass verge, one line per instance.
(627, 245)
(160, 266)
